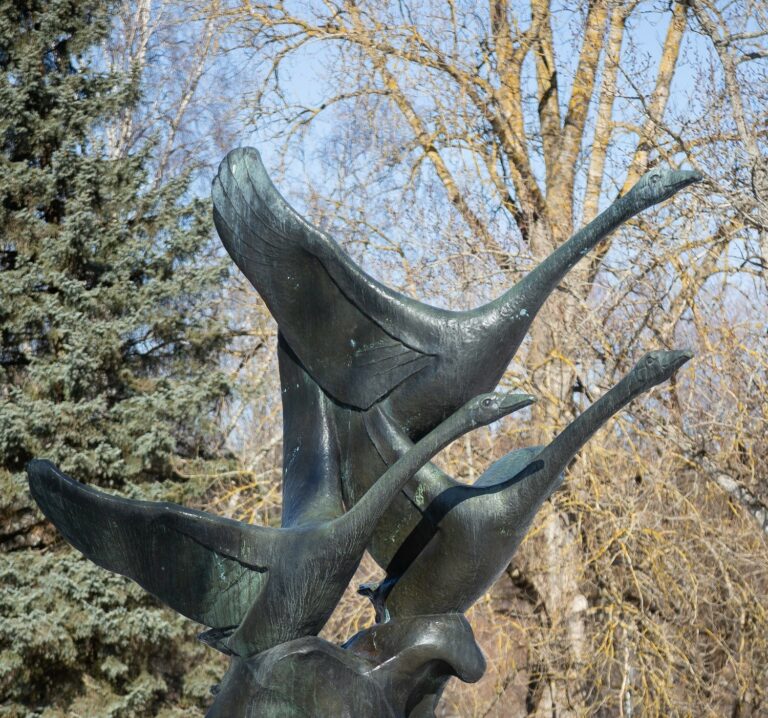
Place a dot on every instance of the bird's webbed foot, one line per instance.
(376, 592)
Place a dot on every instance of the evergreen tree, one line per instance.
(108, 365)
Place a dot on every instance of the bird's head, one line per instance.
(660, 184)
(658, 366)
(487, 408)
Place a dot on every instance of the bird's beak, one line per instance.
(678, 357)
(515, 402)
(682, 178)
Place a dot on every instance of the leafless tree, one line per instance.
(451, 146)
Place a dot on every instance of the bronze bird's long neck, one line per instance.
(516, 308)
(524, 492)
(556, 456)
(365, 513)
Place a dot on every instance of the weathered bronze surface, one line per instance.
(374, 384)
(255, 586)
(367, 345)
(440, 568)
(391, 669)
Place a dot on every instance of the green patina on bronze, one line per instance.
(374, 384)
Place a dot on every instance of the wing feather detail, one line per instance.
(205, 567)
(356, 338)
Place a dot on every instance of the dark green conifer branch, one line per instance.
(109, 358)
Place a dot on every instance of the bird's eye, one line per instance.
(486, 402)
(655, 179)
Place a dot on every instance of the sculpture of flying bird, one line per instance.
(387, 671)
(365, 344)
(468, 533)
(255, 586)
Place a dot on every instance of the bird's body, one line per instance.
(255, 586)
(468, 533)
(367, 345)
(311, 457)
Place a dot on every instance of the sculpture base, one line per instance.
(390, 670)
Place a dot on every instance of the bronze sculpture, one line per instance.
(390, 670)
(441, 567)
(418, 362)
(255, 586)
(373, 385)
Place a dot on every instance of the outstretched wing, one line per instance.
(510, 468)
(357, 338)
(205, 567)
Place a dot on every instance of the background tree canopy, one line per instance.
(448, 146)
